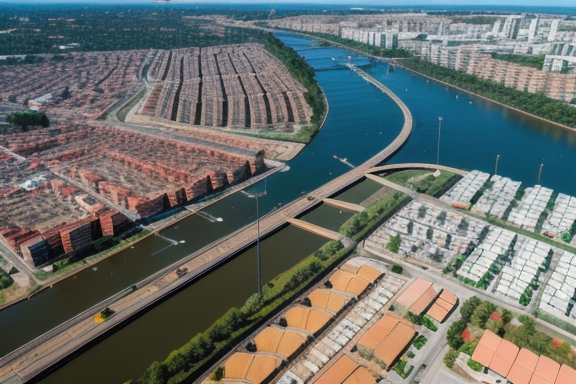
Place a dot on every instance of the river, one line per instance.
(361, 122)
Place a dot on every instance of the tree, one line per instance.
(155, 374)
(482, 313)
(468, 308)
(454, 334)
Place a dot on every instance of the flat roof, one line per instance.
(566, 375)
(360, 376)
(284, 342)
(310, 319)
(324, 298)
(523, 367)
(394, 344)
(546, 371)
(486, 348)
(348, 282)
(504, 358)
(437, 312)
(423, 301)
(252, 367)
(414, 292)
(338, 372)
(378, 332)
(369, 273)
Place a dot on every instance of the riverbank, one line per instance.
(397, 62)
(70, 337)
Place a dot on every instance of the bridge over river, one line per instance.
(69, 338)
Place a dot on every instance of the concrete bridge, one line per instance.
(63, 342)
(343, 205)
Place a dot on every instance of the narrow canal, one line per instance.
(361, 122)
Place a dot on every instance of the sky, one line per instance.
(548, 3)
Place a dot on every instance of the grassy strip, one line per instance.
(533, 103)
(123, 112)
(557, 322)
(433, 186)
(74, 261)
(304, 73)
(361, 224)
(189, 362)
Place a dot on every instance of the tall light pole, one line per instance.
(439, 130)
(256, 196)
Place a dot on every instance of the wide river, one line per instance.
(361, 122)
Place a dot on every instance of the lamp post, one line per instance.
(256, 196)
(439, 130)
(496, 166)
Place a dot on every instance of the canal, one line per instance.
(361, 122)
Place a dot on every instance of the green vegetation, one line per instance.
(419, 341)
(218, 374)
(422, 320)
(113, 28)
(526, 336)
(187, 362)
(400, 369)
(475, 365)
(304, 73)
(557, 322)
(5, 279)
(430, 185)
(28, 119)
(533, 61)
(450, 358)
(359, 225)
(397, 269)
(476, 315)
(366, 48)
(394, 244)
(536, 104)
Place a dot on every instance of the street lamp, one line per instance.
(257, 195)
(438, 150)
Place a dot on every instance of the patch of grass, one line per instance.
(475, 365)
(359, 225)
(400, 369)
(430, 185)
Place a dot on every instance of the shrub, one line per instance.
(475, 365)
(450, 358)
(218, 374)
(397, 269)
(394, 244)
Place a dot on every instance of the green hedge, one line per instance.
(304, 73)
(359, 225)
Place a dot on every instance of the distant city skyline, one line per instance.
(553, 3)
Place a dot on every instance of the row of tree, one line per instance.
(304, 73)
(534, 103)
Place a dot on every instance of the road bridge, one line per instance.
(343, 205)
(69, 338)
